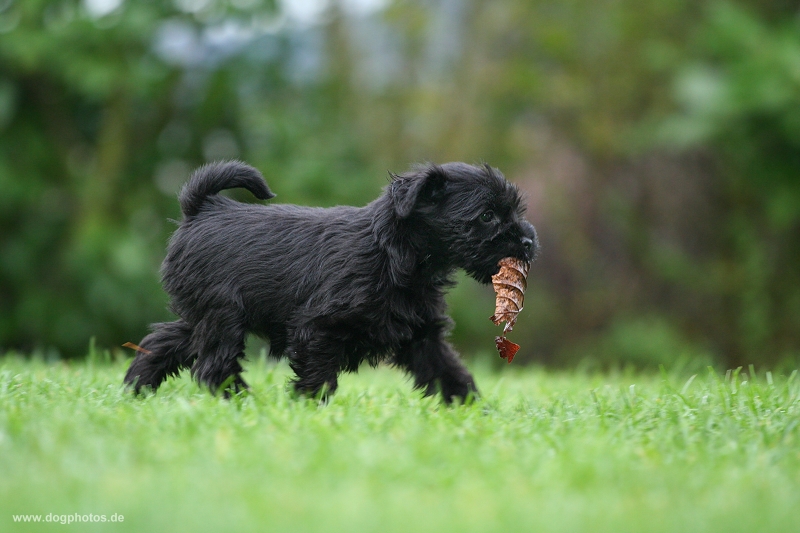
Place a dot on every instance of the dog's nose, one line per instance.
(527, 243)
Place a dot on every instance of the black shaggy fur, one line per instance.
(330, 288)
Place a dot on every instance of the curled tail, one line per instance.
(214, 177)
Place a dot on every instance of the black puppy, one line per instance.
(330, 288)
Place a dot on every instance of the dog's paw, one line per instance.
(233, 386)
(142, 380)
(459, 389)
(321, 393)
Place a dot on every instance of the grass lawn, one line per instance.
(542, 451)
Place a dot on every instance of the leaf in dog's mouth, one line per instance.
(509, 287)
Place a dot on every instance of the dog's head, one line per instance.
(469, 216)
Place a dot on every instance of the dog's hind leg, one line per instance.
(436, 366)
(168, 351)
(220, 346)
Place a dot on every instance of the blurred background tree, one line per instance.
(658, 144)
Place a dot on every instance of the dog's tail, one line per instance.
(214, 177)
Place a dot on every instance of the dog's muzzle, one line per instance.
(530, 241)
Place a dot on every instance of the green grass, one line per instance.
(542, 451)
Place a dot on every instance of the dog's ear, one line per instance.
(411, 190)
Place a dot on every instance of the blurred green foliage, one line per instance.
(658, 143)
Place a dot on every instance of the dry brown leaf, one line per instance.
(509, 285)
(506, 348)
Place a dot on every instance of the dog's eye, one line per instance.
(487, 217)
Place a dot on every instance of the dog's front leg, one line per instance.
(316, 362)
(436, 366)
